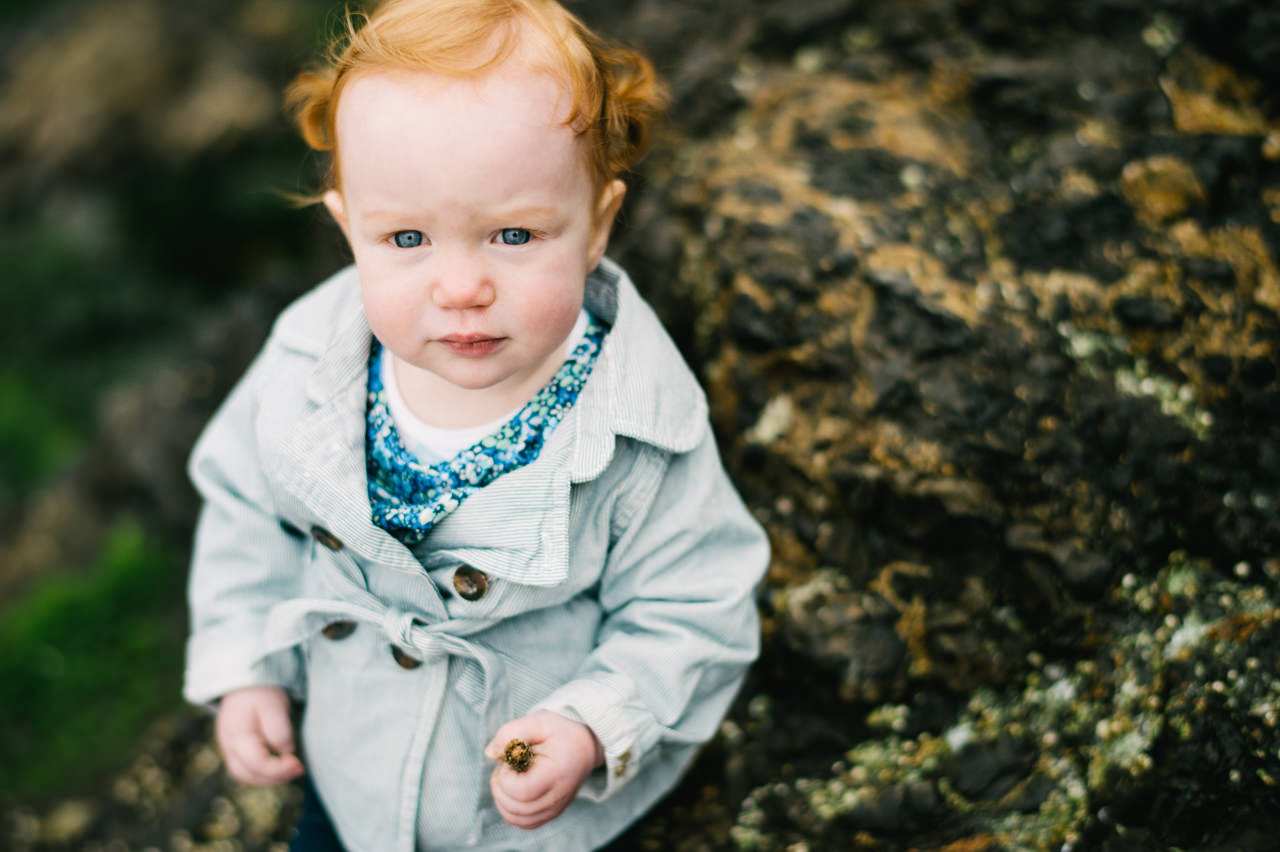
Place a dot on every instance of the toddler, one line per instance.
(468, 493)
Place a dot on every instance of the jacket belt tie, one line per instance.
(293, 621)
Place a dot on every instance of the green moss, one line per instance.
(86, 662)
(35, 440)
(74, 319)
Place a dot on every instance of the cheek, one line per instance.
(552, 309)
(389, 311)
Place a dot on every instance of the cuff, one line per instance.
(213, 670)
(626, 731)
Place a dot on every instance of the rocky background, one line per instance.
(986, 299)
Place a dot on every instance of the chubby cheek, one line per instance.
(551, 311)
(392, 315)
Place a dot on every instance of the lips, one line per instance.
(471, 345)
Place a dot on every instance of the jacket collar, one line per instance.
(640, 389)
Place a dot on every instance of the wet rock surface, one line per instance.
(988, 317)
(986, 300)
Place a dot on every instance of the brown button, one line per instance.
(338, 629)
(326, 538)
(470, 583)
(623, 760)
(405, 661)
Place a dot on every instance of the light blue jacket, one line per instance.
(616, 585)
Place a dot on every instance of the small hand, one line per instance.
(564, 753)
(256, 736)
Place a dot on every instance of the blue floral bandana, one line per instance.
(408, 499)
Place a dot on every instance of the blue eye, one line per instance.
(515, 236)
(407, 239)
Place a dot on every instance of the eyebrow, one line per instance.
(385, 215)
(531, 212)
(515, 214)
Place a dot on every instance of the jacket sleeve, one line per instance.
(680, 625)
(243, 561)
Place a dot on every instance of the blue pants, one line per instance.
(314, 832)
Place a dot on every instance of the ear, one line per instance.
(338, 210)
(606, 211)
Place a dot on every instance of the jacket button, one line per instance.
(470, 583)
(291, 530)
(404, 660)
(623, 760)
(338, 629)
(326, 538)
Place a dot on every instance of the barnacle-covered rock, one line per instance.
(1162, 737)
(990, 336)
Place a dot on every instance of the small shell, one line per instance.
(518, 755)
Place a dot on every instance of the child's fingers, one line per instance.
(243, 773)
(520, 821)
(277, 730)
(256, 736)
(514, 806)
(250, 762)
(525, 786)
(265, 776)
(527, 728)
(525, 814)
(286, 768)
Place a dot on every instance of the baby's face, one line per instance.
(473, 220)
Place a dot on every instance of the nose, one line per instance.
(461, 281)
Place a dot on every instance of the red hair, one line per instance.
(615, 94)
